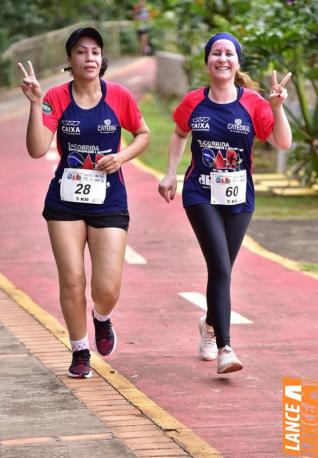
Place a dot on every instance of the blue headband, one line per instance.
(222, 36)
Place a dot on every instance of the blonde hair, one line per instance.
(244, 80)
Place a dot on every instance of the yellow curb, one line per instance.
(22, 299)
(294, 192)
(261, 188)
(145, 168)
(248, 242)
(268, 176)
(254, 247)
(282, 183)
(183, 436)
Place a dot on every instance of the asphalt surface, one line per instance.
(295, 239)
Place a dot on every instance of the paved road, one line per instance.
(239, 414)
(293, 239)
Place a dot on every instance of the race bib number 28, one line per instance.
(228, 188)
(83, 186)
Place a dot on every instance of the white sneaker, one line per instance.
(228, 361)
(207, 348)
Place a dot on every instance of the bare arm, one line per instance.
(168, 185)
(38, 137)
(281, 136)
(112, 162)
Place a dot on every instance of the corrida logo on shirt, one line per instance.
(217, 161)
(84, 156)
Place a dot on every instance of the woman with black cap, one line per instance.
(218, 192)
(86, 202)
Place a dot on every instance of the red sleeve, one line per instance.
(183, 111)
(54, 103)
(260, 112)
(124, 106)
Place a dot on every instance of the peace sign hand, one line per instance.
(278, 93)
(30, 85)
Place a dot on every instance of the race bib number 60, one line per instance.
(228, 188)
(83, 186)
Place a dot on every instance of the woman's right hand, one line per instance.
(30, 85)
(168, 187)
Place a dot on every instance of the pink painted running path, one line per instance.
(239, 414)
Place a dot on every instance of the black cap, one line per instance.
(83, 32)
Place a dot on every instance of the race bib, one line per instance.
(228, 188)
(83, 186)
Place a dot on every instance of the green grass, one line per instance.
(157, 114)
(310, 267)
(280, 207)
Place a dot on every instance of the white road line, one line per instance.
(134, 80)
(52, 155)
(200, 300)
(132, 257)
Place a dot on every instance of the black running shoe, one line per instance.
(105, 336)
(80, 367)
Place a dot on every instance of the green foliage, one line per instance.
(187, 22)
(129, 42)
(309, 267)
(158, 116)
(191, 23)
(284, 35)
(27, 18)
(5, 72)
(280, 34)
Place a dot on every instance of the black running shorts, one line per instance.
(120, 219)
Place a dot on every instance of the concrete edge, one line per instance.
(182, 435)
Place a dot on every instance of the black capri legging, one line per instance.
(220, 236)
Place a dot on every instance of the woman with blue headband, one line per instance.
(218, 193)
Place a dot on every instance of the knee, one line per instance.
(73, 285)
(221, 272)
(107, 293)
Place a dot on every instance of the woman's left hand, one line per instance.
(110, 163)
(278, 93)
